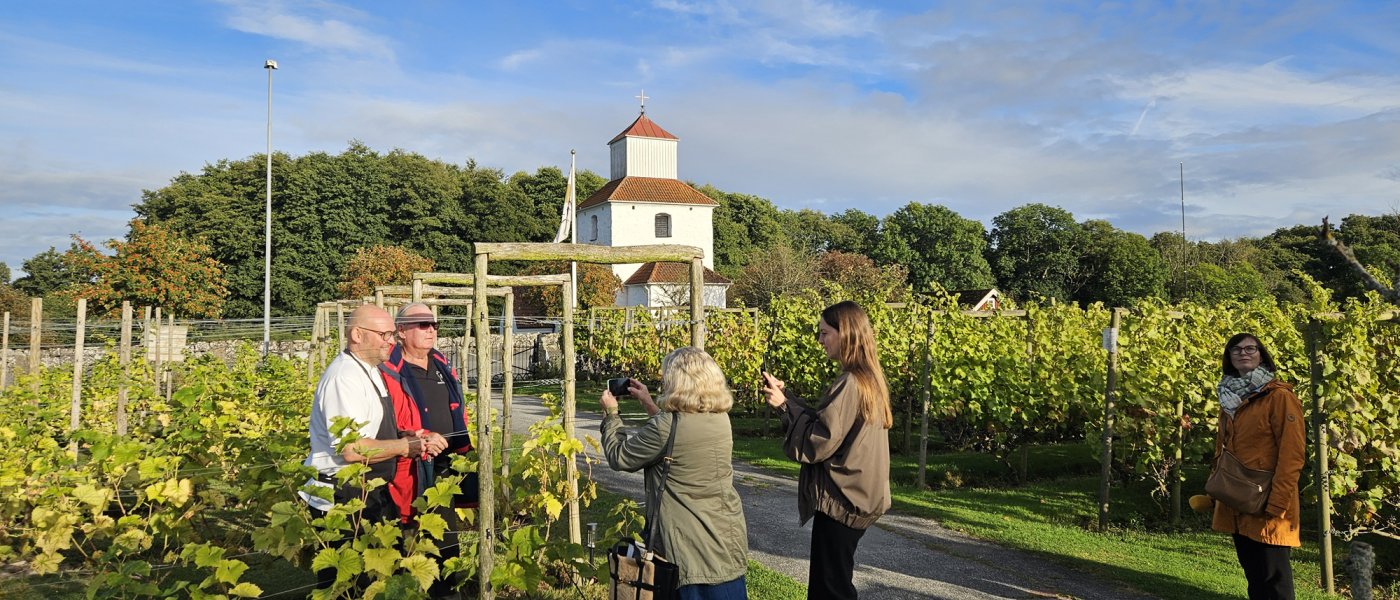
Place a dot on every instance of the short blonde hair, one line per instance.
(691, 382)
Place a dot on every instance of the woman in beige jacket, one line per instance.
(842, 441)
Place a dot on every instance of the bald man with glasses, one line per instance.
(351, 387)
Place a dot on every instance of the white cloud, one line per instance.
(275, 19)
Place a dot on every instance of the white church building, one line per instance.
(644, 203)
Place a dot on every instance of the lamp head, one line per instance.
(270, 64)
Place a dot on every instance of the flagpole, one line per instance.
(571, 197)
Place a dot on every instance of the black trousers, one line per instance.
(1266, 568)
(833, 559)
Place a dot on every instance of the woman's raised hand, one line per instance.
(642, 394)
(639, 391)
(773, 388)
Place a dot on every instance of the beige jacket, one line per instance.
(702, 519)
(1266, 433)
(845, 461)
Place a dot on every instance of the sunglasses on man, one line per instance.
(422, 325)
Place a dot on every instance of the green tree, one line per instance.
(937, 245)
(326, 206)
(744, 226)
(857, 232)
(1034, 250)
(1212, 284)
(776, 272)
(374, 266)
(46, 272)
(154, 266)
(4, 274)
(1118, 267)
(858, 272)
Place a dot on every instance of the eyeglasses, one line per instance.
(424, 325)
(387, 336)
(1244, 350)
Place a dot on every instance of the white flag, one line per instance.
(566, 217)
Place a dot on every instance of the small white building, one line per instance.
(645, 203)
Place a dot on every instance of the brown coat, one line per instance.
(1266, 433)
(845, 461)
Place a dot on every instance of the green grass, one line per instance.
(1054, 515)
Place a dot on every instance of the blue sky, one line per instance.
(1281, 111)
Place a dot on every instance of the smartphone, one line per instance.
(618, 387)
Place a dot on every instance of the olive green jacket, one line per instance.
(702, 519)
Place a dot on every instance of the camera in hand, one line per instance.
(618, 387)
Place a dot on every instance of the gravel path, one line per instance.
(901, 557)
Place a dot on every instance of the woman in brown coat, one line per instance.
(1261, 424)
(842, 441)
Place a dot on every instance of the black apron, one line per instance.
(378, 504)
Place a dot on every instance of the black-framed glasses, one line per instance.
(387, 336)
(1244, 350)
(422, 325)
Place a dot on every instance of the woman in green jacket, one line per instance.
(702, 528)
(842, 441)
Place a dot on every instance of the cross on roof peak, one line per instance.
(643, 98)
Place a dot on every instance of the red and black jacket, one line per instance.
(413, 475)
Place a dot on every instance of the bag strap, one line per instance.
(650, 530)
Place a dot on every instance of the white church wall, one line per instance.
(583, 226)
(676, 294)
(634, 224)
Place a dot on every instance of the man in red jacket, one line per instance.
(426, 395)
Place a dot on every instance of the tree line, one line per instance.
(196, 244)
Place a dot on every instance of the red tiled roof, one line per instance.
(670, 272)
(648, 189)
(644, 127)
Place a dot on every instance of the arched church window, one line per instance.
(663, 225)
(593, 222)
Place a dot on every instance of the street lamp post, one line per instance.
(270, 66)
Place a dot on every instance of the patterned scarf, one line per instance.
(1233, 390)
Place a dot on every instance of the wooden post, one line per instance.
(566, 340)
(169, 346)
(486, 507)
(417, 290)
(124, 358)
(340, 332)
(1324, 477)
(311, 348)
(1109, 397)
(697, 303)
(160, 349)
(379, 298)
(5, 353)
(923, 418)
(75, 408)
(36, 336)
(1179, 444)
(508, 389)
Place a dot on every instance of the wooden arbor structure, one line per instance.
(534, 252)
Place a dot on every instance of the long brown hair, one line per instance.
(860, 358)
